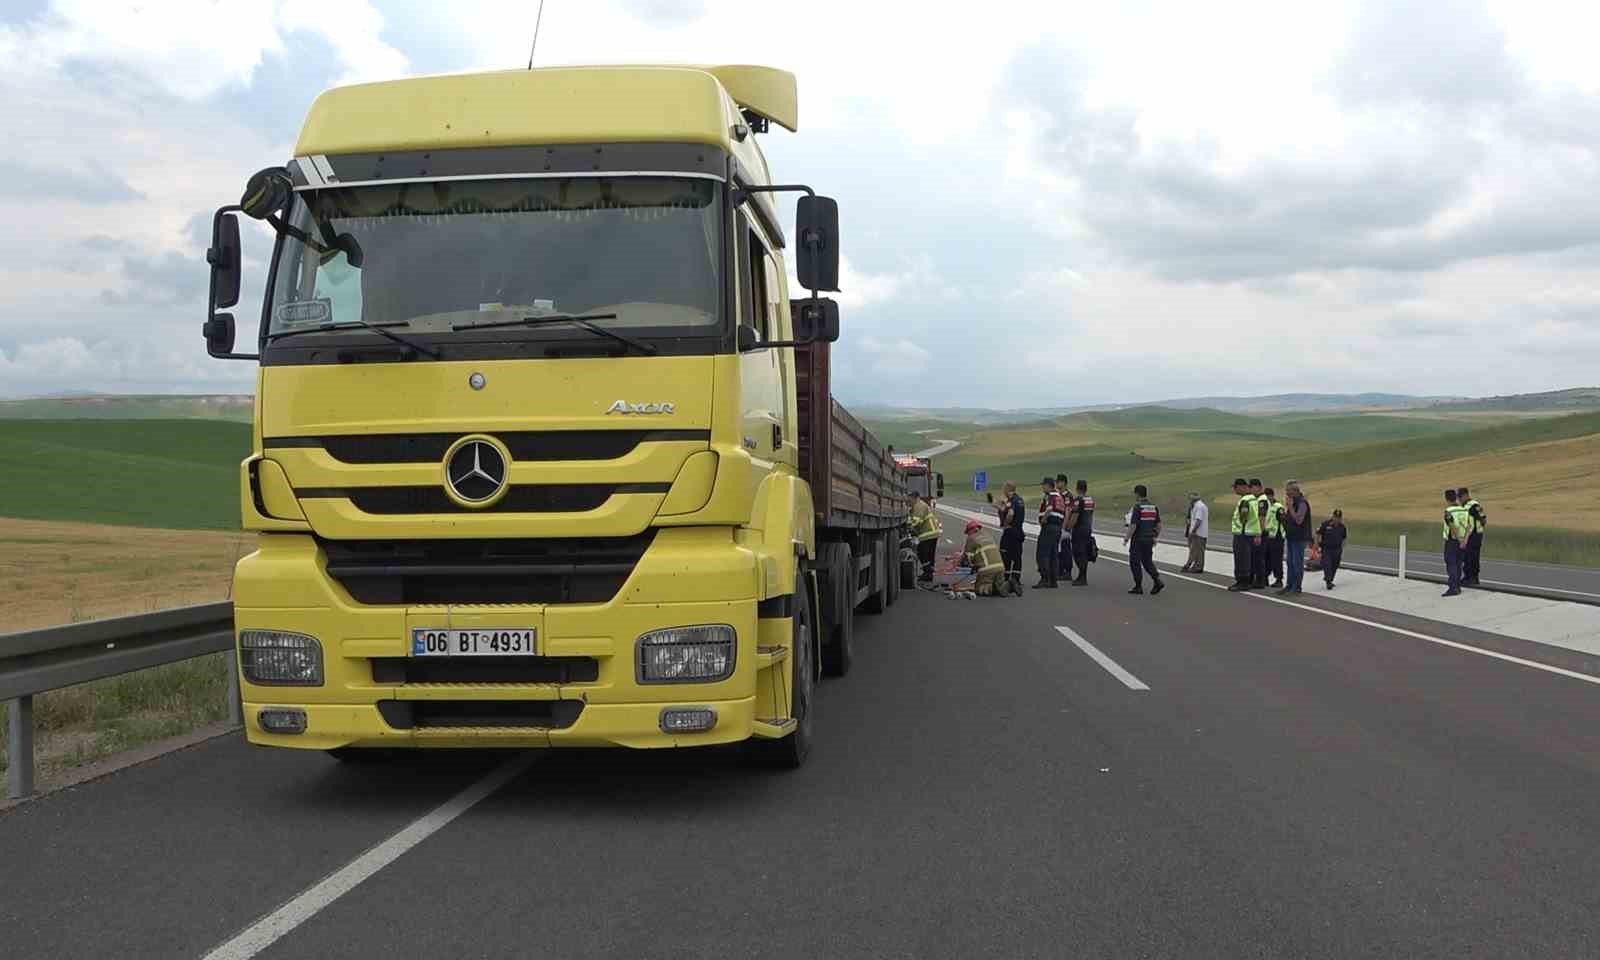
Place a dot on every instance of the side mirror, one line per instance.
(749, 338)
(266, 192)
(224, 258)
(219, 334)
(939, 480)
(816, 230)
(815, 321)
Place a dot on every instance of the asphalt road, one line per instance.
(1289, 784)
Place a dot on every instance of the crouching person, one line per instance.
(982, 556)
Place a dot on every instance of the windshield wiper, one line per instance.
(580, 319)
(377, 328)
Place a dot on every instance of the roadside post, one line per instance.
(1402, 556)
(19, 748)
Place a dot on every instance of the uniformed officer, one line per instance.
(1246, 533)
(1012, 511)
(1064, 568)
(1480, 520)
(1258, 545)
(982, 557)
(1082, 528)
(1272, 531)
(1143, 527)
(925, 527)
(1052, 513)
(1457, 533)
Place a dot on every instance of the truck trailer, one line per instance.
(545, 452)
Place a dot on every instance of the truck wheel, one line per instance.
(879, 601)
(837, 649)
(790, 752)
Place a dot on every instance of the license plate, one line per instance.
(451, 642)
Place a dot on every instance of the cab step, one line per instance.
(772, 728)
(770, 656)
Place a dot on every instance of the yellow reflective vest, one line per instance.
(1457, 522)
(1247, 516)
(1274, 518)
(923, 524)
(1477, 522)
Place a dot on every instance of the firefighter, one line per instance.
(1083, 548)
(1012, 512)
(1143, 528)
(982, 557)
(925, 527)
(1480, 520)
(1052, 514)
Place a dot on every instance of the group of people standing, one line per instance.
(1464, 523)
(1269, 535)
(1066, 532)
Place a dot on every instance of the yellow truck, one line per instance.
(544, 454)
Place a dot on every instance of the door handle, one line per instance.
(777, 436)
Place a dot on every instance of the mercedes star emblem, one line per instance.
(476, 381)
(476, 471)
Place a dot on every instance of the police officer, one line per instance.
(1457, 533)
(1052, 513)
(925, 527)
(1144, 526)
(1082, 532)
(1480, 520)
(1064, 567)
(1258, 544)
(1011, 517)
(1246, 533)
(1272, 530)
(982, 557)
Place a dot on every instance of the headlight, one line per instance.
(687, 654)
(275, 658)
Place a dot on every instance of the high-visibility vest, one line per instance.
(923, 525)
(1247, 516)
(1457, 517)
(1274, 518)
(1475, 510)
(983, 556)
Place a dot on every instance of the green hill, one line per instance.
(235, 407)
(147, 473)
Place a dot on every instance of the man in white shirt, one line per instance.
(1197, 529)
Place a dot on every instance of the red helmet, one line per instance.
(974, 526)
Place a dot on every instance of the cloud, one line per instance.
(94, 185)
(899, 356)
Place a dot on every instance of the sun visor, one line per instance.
(770, 92)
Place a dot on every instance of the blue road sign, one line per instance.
(980, 481)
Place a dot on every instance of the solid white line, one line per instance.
(1547, 668)
(1112, 667)
(266, 931)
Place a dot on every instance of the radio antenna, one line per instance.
(538, 19)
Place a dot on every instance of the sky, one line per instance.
(1042, 204)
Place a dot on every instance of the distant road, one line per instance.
(945, 446)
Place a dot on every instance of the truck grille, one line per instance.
(480, 714)
(525, 445)
(480, 670)
(589, 570)
(526, 498)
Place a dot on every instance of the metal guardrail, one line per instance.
(37, 661)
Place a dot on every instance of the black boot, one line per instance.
(1160, 586)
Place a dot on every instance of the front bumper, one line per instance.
(687, 576)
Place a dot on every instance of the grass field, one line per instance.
(213, 407)
(1385, 470)
(149, 473)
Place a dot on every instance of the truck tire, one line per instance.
(837, 643)
(908, 570)
(790, 752)
(879, 601)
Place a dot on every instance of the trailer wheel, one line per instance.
(908, 573)
(837, 652)
(879, 601)
(790, 752)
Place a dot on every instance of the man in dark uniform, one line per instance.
(1052, 512)
(1474, 558)
(1246, 525)
(1144, 526)
(1012, 511)
(1064, 568)
(1330, 540)
(1082, 532)
(1273, 531)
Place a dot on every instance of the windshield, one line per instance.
(427, 256)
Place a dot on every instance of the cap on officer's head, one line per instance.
(1047, 480)
(1239, 482)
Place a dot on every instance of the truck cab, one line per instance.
(525, 452)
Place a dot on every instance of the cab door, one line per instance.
(763, 417)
